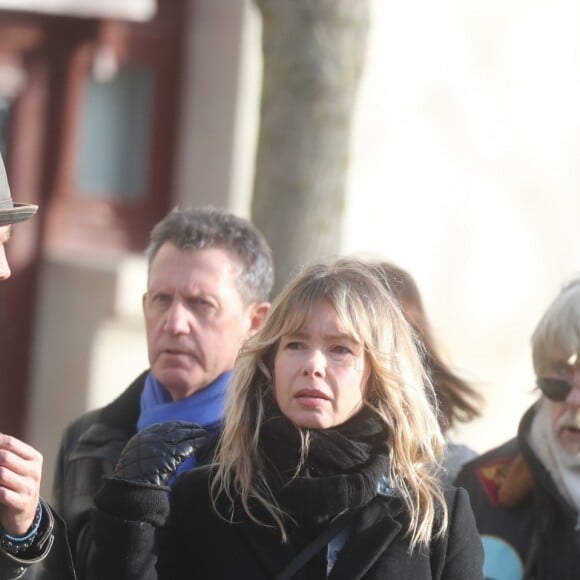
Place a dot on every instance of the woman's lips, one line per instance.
(311, 397)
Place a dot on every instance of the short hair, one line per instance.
(211, 227)
(457, 399)
(398, 389)
(558, 328)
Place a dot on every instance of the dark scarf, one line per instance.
(341, 470)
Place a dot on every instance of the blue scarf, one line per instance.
(204, 408)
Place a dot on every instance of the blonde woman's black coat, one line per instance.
(198, 544)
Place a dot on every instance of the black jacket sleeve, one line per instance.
(12, 565)
(125, 523)
(88, 452)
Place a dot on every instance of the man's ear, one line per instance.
(258, 312)
(143, 300)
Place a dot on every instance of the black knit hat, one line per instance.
(10, 212)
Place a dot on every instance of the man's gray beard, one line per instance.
(563, 464)
(569, 457)
(545, 442)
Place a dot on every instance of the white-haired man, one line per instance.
(526, 493)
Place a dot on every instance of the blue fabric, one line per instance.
(204, 408)
(501, 560)
(335, 546)
(337, 543)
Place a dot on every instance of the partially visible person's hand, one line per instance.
(154, 455)
(20, 474)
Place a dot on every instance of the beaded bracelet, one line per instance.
(19, 544)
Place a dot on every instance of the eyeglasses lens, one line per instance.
(554, 389)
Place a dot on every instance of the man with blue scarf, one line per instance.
(210, 276)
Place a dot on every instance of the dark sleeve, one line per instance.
(73, 502)
(77, 479)
(125, 526)
(171, 546)
(12, 565)
(463, 559)
(183, 540)
(139, 529)
(124, 549)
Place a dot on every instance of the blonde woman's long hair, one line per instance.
(398, 389)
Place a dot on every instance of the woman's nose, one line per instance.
(315, 364)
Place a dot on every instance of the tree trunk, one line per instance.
(313, 56)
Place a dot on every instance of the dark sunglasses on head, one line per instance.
(554, 389)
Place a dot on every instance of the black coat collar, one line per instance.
(123, 413)
(113, 425)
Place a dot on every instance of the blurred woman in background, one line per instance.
(457, 400)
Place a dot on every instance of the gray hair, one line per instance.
(211, 227)
(558, 328)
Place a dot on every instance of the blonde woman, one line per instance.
(327, 464)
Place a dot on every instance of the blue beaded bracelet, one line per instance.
(19, 544)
